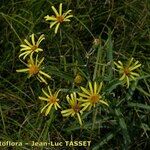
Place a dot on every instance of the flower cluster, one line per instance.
(33, 63)
(29, 48)
(86, 98)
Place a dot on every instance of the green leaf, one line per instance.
(139, 105)
(109, 48)
(104, 141)
(123, 127)
(143, 91)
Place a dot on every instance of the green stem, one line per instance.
(85, 27)
(97, 69)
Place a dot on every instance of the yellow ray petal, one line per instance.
(51, 18)
(55, 11)
(79, 118)
(83, 95)
(137, 66)
(41, 79)
(95, 87)
(45, 93)
(28, 43)
(33, 39)
(69, 16)
(58, 105)
(56, 28)
(66, 20)
(23, 70)
(66, 111)
(60, 9)
(120, 63)
(85, 91)
(130, 62)
(49, 90)
(40, 61)
(24, 53)
(127, 79)
(27, 54)
(135, 74)
(24, 46)
(48, 109)
(103, 102)
(65, 14)
(41, 38)
(85, 107)
(122, 77)
(100, 87)
(91, 88)
(43, 98)
(44, 108)
(56, 93)
(53, 23)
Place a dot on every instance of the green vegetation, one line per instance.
(100, 33)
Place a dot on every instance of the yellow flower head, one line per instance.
(51, 99)
(75, 107)
(34, 69)
(78, 79)
(128, 71)
(58, 18)
(29, 48)
(90, 97)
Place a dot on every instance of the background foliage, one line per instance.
(123, 27)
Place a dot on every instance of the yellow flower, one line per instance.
(78, 79)
(90, 97)
(127, 72)
(75, 107)
(58, 18)
(51, 100)
(34, 69)
(29, 48)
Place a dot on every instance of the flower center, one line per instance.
(127, 71)
(33, 48)
(52, 100)
(60, 19)
(94, 98)
(76, 107)
(33, 70)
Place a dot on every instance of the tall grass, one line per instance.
(123, 30)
